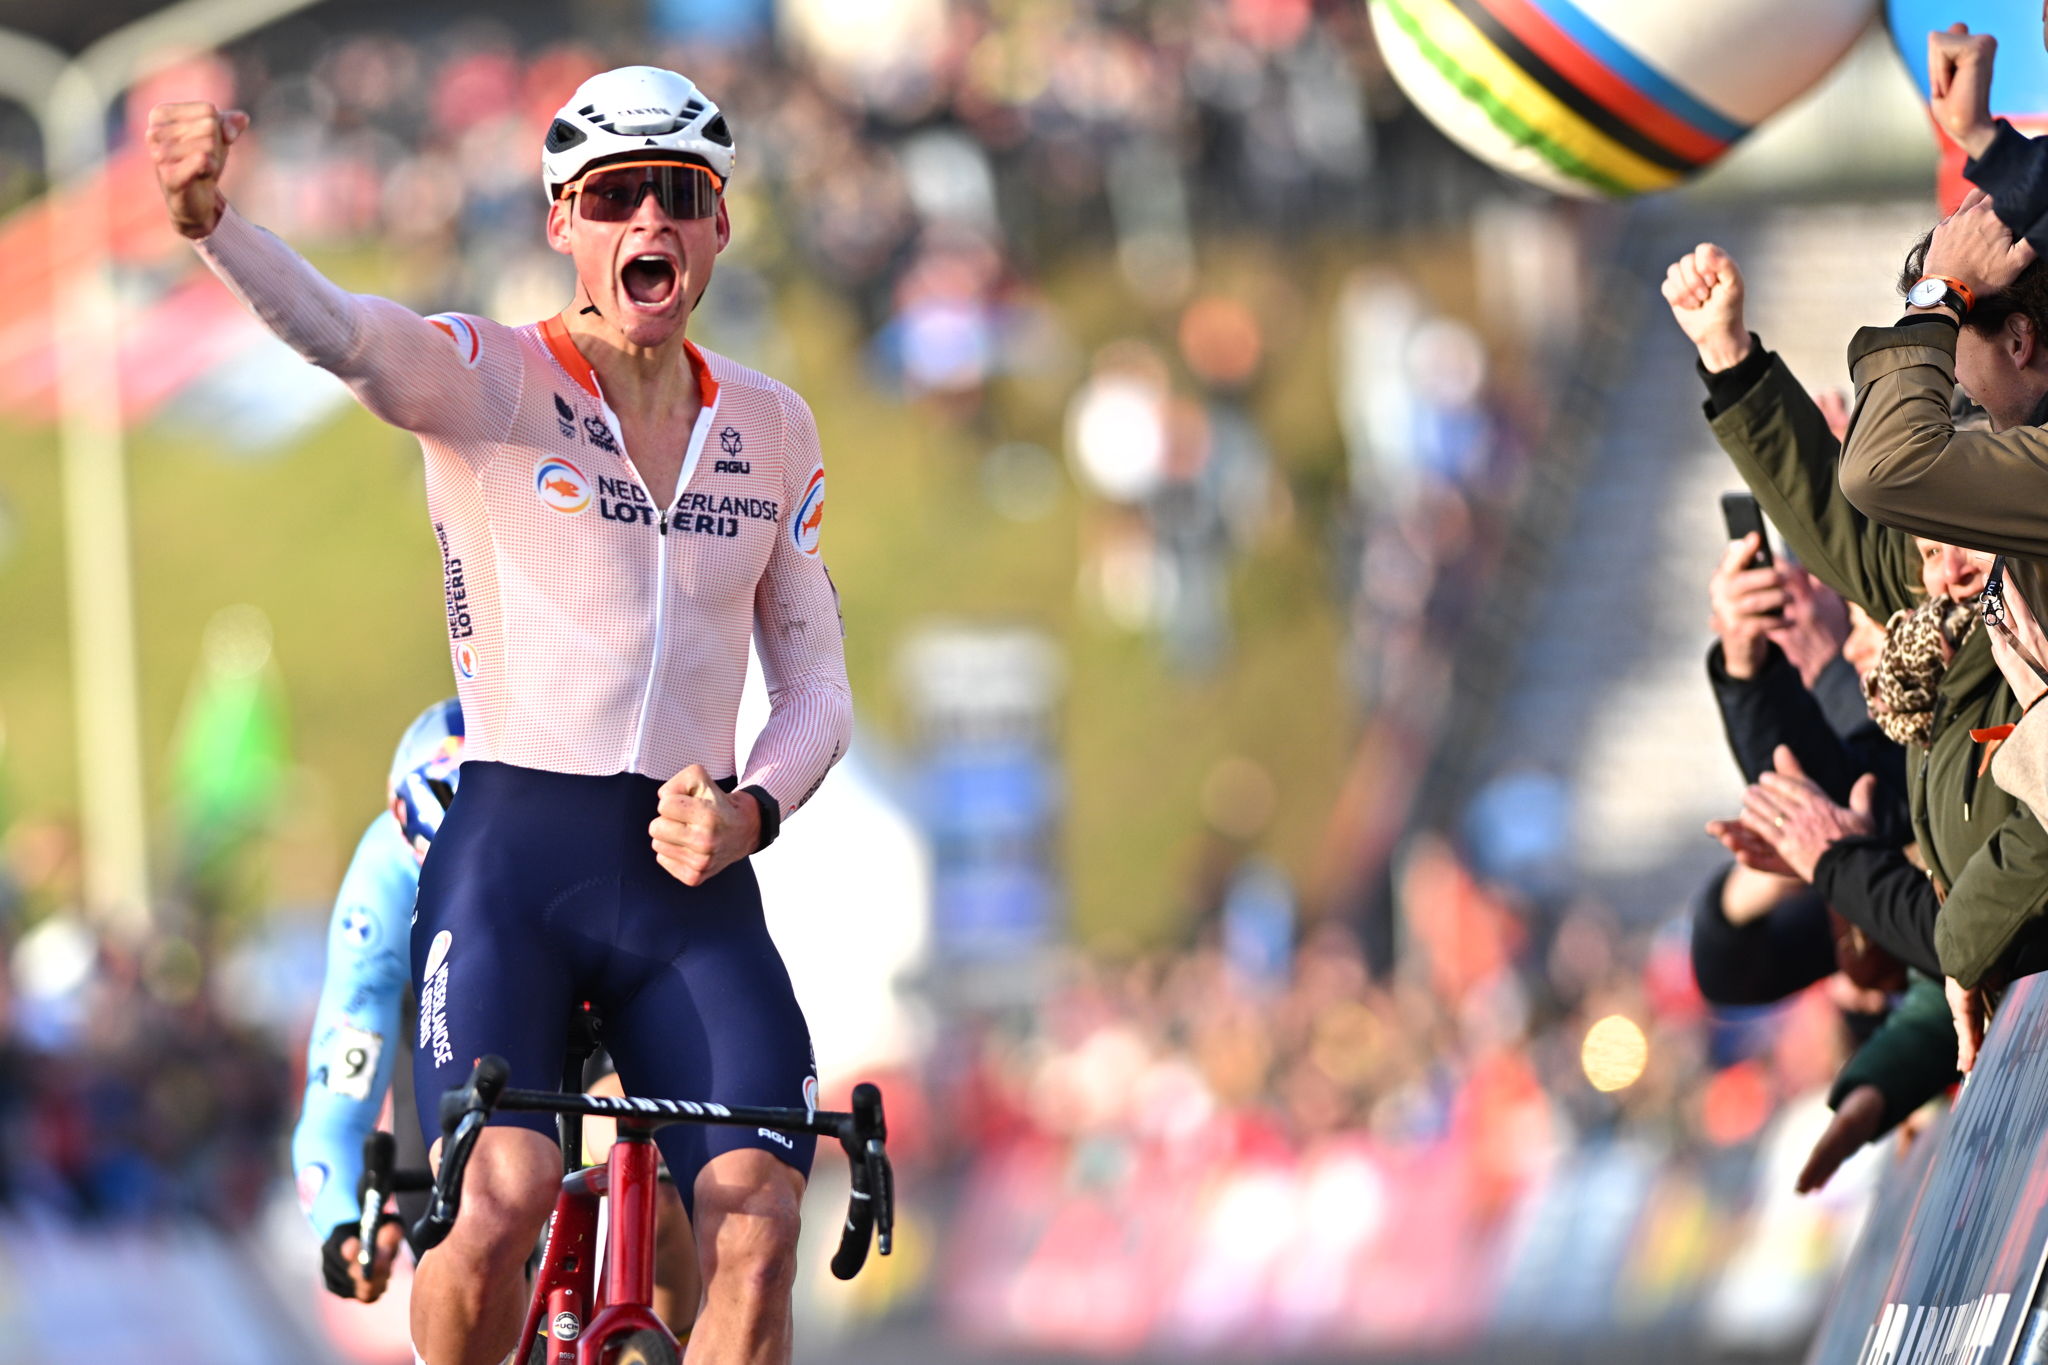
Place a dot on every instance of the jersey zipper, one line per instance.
(692, 454)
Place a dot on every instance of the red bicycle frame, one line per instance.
(576, 1308)
(577, 1311)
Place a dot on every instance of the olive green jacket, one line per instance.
(1987, 854)
(1911, 1057)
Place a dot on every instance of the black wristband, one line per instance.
(1915, 319)
(771, 815)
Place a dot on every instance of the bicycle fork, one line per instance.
(565, 1312)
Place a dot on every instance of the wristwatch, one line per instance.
(1942, 291)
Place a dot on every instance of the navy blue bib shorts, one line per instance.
(540, 892)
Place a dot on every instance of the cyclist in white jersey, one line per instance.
(617, 512)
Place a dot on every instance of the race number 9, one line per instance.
(352, 1061)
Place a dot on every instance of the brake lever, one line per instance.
(376, 1184)
(884, 1184)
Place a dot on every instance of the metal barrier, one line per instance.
(1965, 1264)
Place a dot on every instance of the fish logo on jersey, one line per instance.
(468, 342)
(807, 523)
(561, 485)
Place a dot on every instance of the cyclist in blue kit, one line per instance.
(359, 1030)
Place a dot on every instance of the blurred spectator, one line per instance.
(126, 1096)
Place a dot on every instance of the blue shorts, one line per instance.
(541, 891)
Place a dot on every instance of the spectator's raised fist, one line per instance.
(1959, 85)
(189, 144)
(1704, 290)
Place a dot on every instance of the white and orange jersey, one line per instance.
(592, 631)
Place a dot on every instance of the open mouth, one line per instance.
(650, 280)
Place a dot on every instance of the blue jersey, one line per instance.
(356, 1029)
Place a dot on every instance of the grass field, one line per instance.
(330, 539)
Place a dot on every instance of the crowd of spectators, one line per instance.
(1206, 1146)
(128, 1094)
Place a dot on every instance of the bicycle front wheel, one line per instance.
(645, 1347)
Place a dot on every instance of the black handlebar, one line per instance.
(872, 1204)
(862, 1134)
(464, 1112)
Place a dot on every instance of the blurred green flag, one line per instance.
(233, 747)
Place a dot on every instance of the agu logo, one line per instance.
(463, 333)
(807, 523)
(561, 485)
(465, 661)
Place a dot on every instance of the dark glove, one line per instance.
(335, 1268)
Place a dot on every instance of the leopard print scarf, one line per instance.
(1918, 644)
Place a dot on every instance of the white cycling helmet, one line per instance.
(628, 114)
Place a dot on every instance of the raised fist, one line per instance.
(1959, 85)
(1704, 290)
(189, 144)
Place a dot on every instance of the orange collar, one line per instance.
(556, 333)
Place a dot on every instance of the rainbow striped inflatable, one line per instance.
(1609, 97)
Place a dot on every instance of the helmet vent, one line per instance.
(564, 135)
(716, 131)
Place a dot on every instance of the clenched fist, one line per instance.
(189, 144)
(701, 829)
(1704, 290)
(1959, 86)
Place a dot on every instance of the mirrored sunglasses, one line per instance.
(612, 193)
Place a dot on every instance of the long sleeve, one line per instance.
(356, 1027)
(1996, 908)
(2014, 172)
(1907, 466)
(1871, 884)
(1763, 961)
(430, 376)
(798, 634)
(1910, 1059)
(1772, 708)
(1781, 445)
(1828, 729)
